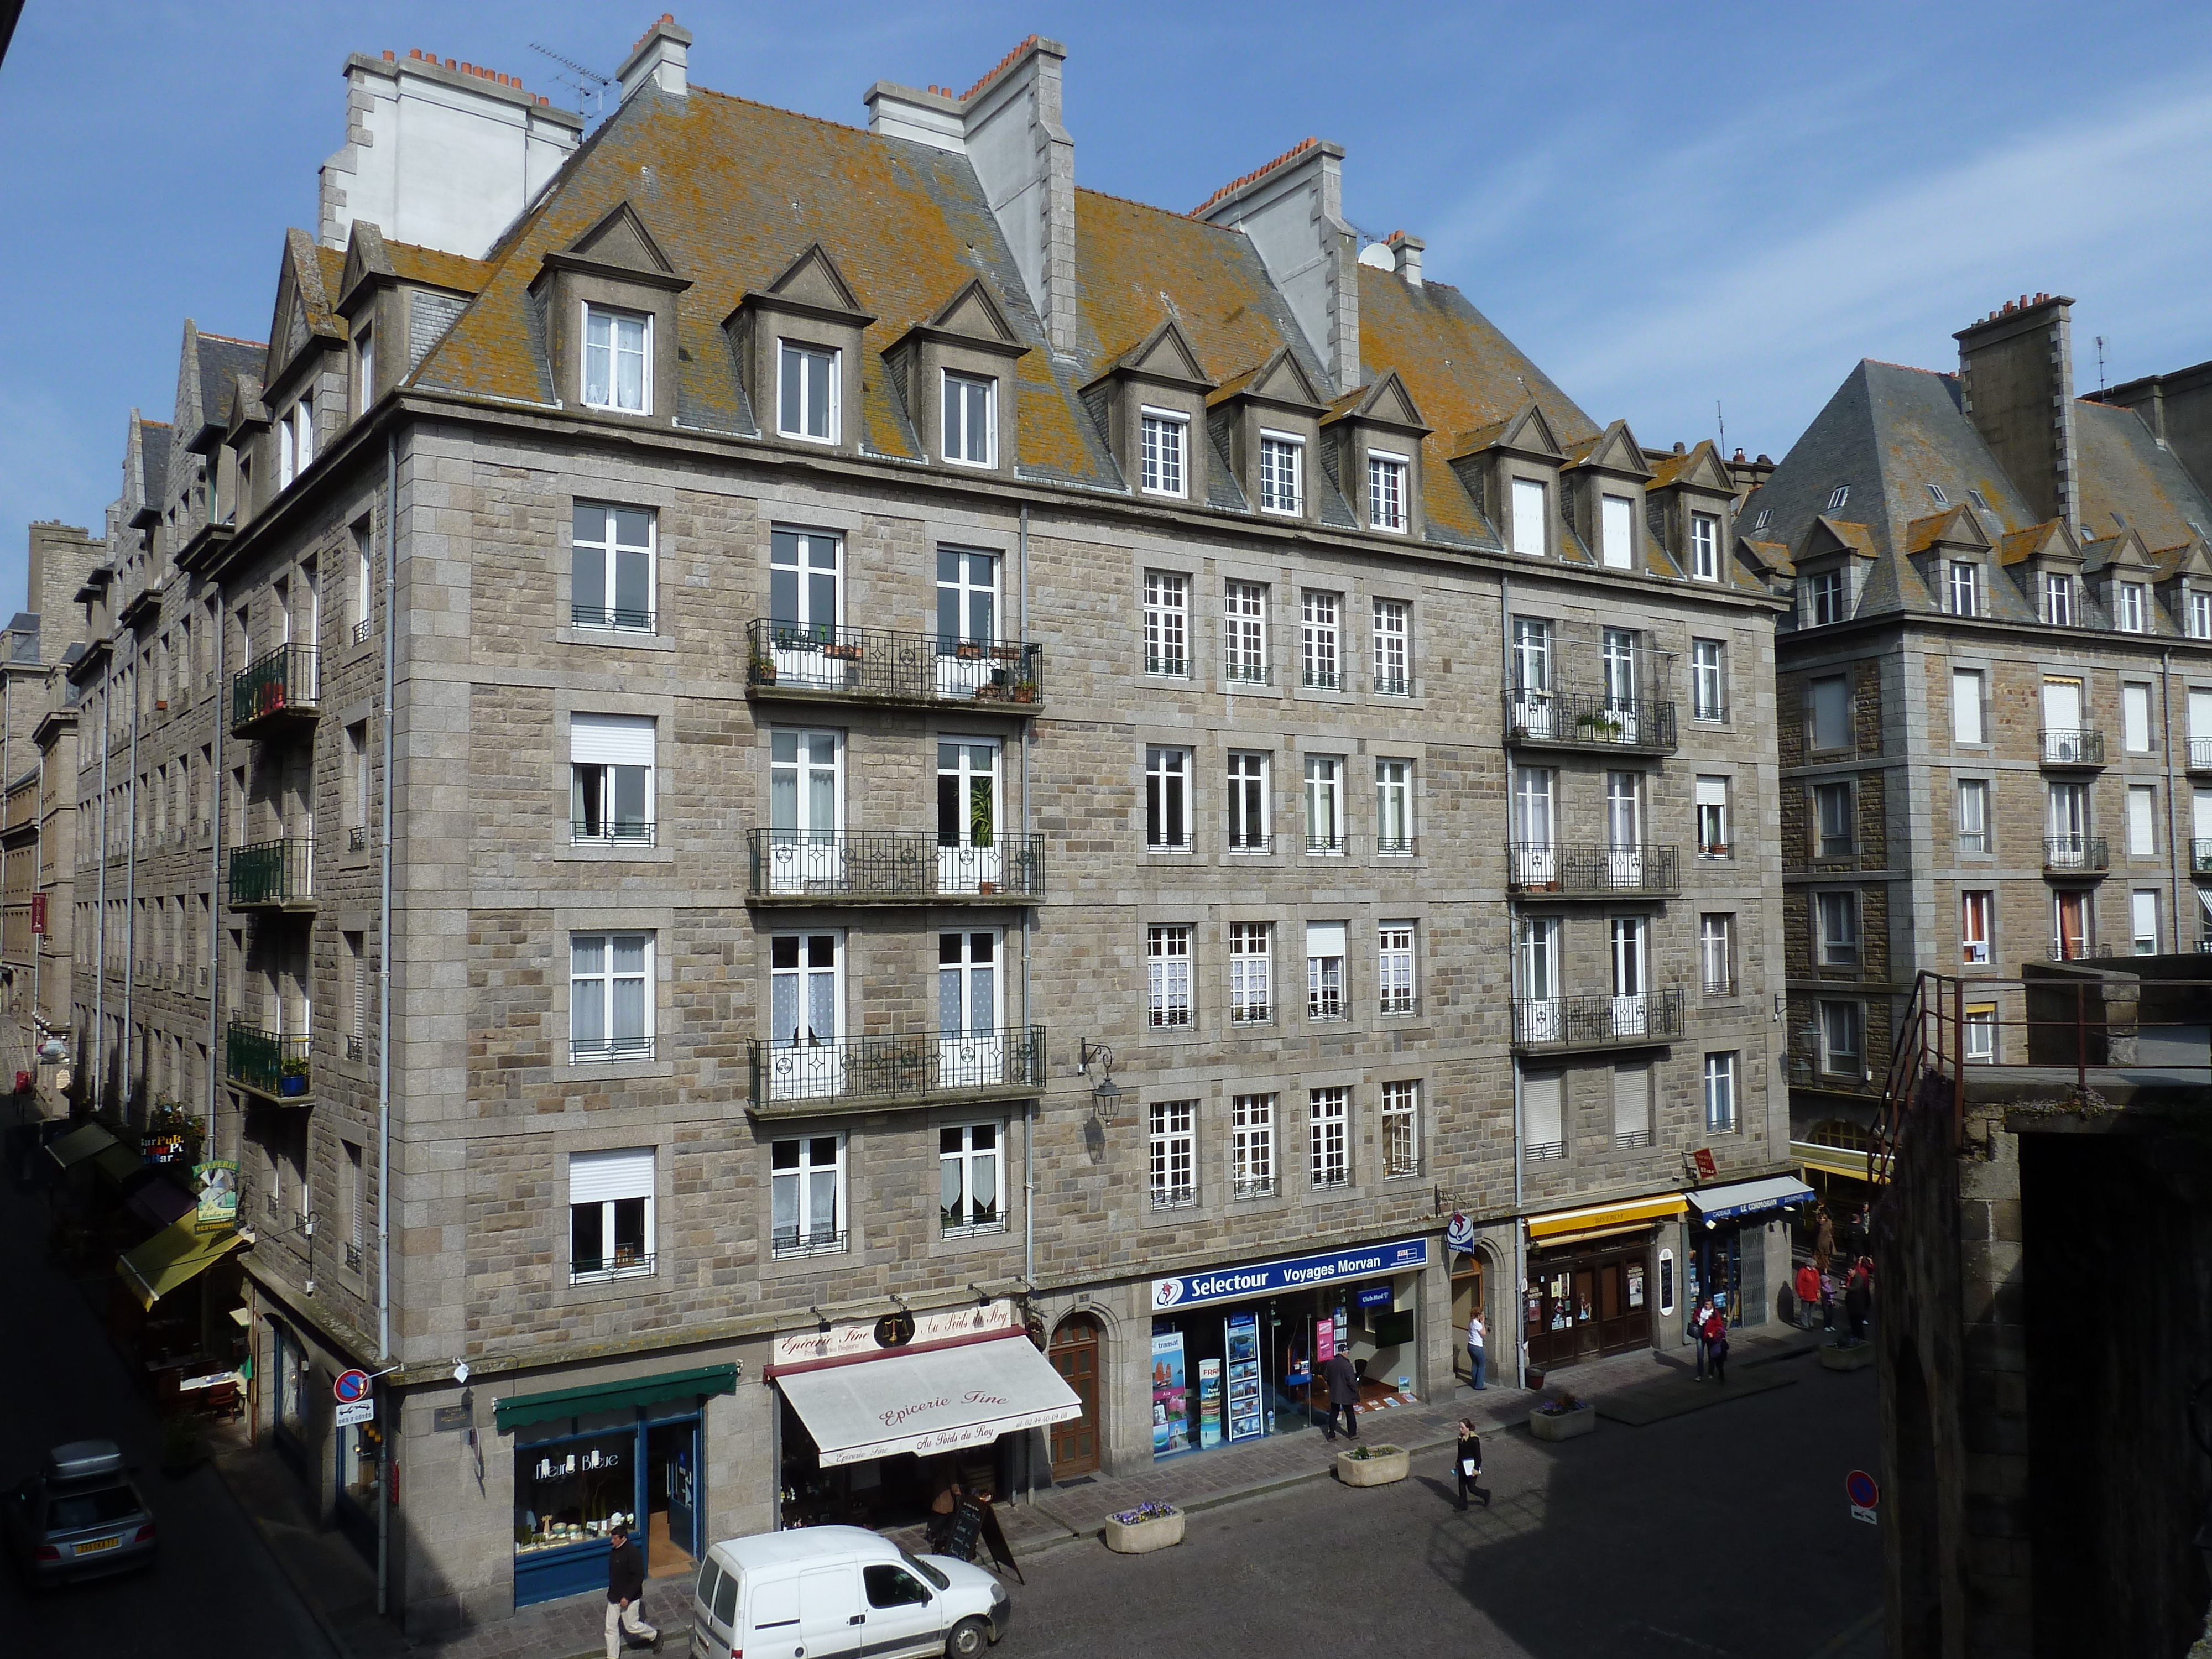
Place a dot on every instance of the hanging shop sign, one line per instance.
(1377, 1295)
(218, 1194)
(867, 1339)
(1459, 1232)
(1294, 1273)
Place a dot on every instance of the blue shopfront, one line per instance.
(586, 1458)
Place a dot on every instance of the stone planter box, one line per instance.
(1382, 1465)
(1846, 1355)
(1159, 1532)
(1562, 1425)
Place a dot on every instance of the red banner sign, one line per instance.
(38, 913)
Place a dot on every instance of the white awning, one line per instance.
(1743, 1198)
(931, 1401)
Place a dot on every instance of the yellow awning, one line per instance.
(1829, 1160)
(173, 1256)
(1605, 1217)
(79, 1145)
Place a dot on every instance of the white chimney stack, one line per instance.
(662, 58)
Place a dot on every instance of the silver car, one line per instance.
(79, 1518)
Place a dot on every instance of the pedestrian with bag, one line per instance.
(1343, 1394)
(1699, 1315)
(1478, 1348)
(1858, 1297)
(1717, 1344)
(626, 1593)
(1827, 1301)
(1468, 1463)
(1809, 1292)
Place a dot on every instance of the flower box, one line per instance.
(1546, 1424)
(967, 651)
(843, 653)
(1846, 1355)
(1372, 1466)
(1141, 1531)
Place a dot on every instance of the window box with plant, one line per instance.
(292, 1079)
(1372, 1466)
(1563, 1416)
(1148, 1527)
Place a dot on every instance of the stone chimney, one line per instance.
(1406, 256)
(662, 58)
(1293, 210)
(1008, 125)
(2178, 407)
(2016, 373)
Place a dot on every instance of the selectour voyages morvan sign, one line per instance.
(1294, 1273)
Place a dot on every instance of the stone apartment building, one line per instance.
(968, 759)
(1995, 688)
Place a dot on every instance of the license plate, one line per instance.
(97, 1545)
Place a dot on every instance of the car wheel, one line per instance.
(970, 1637)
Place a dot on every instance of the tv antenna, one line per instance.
(588, 84)
(2101, 365)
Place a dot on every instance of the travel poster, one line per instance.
(1209, 1402)
(1246, 1407)
(1170, 1395)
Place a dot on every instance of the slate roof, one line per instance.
(153, 480)
(221, 359)
(2129, 483)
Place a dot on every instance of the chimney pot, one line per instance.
(449, 62)
(1679, 450)
(388, 57)
(661, 59)
(1738, 454)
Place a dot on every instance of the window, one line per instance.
(2068, 822)
(805, 1016)
(1628, 973)
(2058, 600)
(610, 1000)
(1631, 1105)
(364, 376)
(610, 778)
(1163, 437)
(303, 426)
(1974, 815)
(1935, 494)
(2142, 811)
(2142, 917)
(971, 1191)
(1282, 473)
(1167, 972)
(1981, 1044)
(971, 420)
(1617, 520)
(1386, 492)
(1393, 806)
(1967, 706)
(1832, 813)
(288, 466)
(1708, 680)
(1317, 642)
(968, 1009)
(1246, 607)
(1839, 1039)
(2200, 616)
(1174, 1145)
(1543, 1123)
(1980, 500)
(1401, 1130)
(1531, 534)
(1712, 795)
(967, 599)
(352, 1202)
(1167, 799)
(617, 361)
(2069, 926)
(1247, 802)
(1531, 657)
(1828, 593)
(1252, 1145)
(2131, 607)
(1393, 676)
(806, 393)
(2134, 718)
(1704, 547)
(1325, 969)
(806, 810)
(1394, 950)
(1534, 859)
(355, 992)
(1831, 702)
(1251, 1001)
(610, 1214)
(1966, 588)
(889, 1587)
(1330, 1144)
(1167, 625)
(1976, 908)
(1838, 915)
(806, 1196)
(1716, 954)
(804, 590)
(1324, 804)
(1838, 497)
(1720, 1093)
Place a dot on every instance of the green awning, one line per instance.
(79, 1145)
(518, 1409)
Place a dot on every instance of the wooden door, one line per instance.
(1074, 1355)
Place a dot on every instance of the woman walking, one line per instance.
(1715, 1334)
(1467, 1464)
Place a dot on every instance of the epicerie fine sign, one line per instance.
(1293, 1273)
(854, 1340)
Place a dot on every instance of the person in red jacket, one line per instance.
(1809, 1293)
(1716, 1336)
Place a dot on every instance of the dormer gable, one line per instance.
(797, 347)
(2044, 562)
(608, 301)
(1687, 505)
(955, 374)
(1371, 441)
(1832, 567)
(1511, 470)
(619, 245)
(2184, 588)
(1950, 552)
(1614, 451)
(1602, 484)
(812, 281)
(2116, 572)
(1149, 405)
(303, 321)
(1267, 421)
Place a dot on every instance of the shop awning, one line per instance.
(78, 1145)
(1829, 1160)
(1565, 1226)
(928, 1402)
(161, 1202)
(173, 1256)
(1748, 1198)
(118, 1163)
(517, 1410)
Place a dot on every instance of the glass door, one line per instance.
(967, 622)
(968, 858)
(1535, 855)
(1539, 970)
(1624, 831)
(1629, 1012)
(2069, 827)
(806, 810)
(672, 1499)
(1620, 682)
(804, 1006)
(1532, 677)
(805, 607)
(970, 1053)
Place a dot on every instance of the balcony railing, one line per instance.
(2064, 746)
(273, 875)
(1567, 871)
(2200, 754)
(1589, 720)
(625, 1263)
(1173, 1198)
(805, 1240)
(2076, 855)
(1252, 1186)
(266, 1063)
(284, 684)
(2070, 950)
(613, 616)
(809, 1076)
(801, 660)
(1592, 1022)
(609, 832)
(2200, 858)
(890, 866)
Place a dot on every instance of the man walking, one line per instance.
(1478, 1348)
(1343, 1394)
(626, 1593)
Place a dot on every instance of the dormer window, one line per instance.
(2058, 600)
(1164, 433)
(2200, 616)
(1704, 547)
(364, 375)
(1827, 598)
(2129, 608)
(806, 393)
(971, 420)
(296, 442)
(1386, 491)
(1935, 494)
(1966, 588)
(1617, 530)
(617, 358)
(1838, 496)
(1282, 473)
(1529, 515)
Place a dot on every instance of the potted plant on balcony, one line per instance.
(1372, 1466)
(844, 651)
(292, 1078)
(763, 666)
(1563, 1417)
(1025, 690)
(1599, 725)
(1007, 653)
(968, 650)
(1148, 1527)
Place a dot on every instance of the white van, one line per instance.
(821, 1592)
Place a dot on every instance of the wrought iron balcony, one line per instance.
(1542, 1024)
(1590, 720)
(805, 1240)
(873, 664)
(273, 875)
(2200, 858)
(614, 618)
(2200, 754)
(891, 866)
(1549, 870)
(266, 1063)
(2076, 855)
(283, 685)
(2067, 747)
(862, 1073)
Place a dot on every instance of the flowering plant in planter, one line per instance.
(1146, 1512)
(1562, 1400)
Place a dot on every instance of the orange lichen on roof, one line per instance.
(435, 268)
(1258, 173)
(2020, 545)
(1910, 368)
(1000, 68)
(1921, 534)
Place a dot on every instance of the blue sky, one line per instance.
(1668, 207)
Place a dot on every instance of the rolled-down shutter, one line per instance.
(1324, 938)
(1539, 1109)
(611, 739)
(1712, 792)
(602, 1177)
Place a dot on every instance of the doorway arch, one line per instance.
(1074, 1352)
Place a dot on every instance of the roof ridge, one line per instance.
(1000, 68)
(1258, 173)
(1910, 369)
(1152, 207)
(231, 339)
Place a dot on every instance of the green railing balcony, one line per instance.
(273, 875)
(269, 1064)
(285, 684)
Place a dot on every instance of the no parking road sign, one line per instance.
(348, 1387)
(1859, 1487)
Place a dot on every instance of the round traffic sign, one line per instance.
(351, 1386)
(1862, 1489)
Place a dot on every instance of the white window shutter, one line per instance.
(611, 739)
(602, 1177)
(1325, 939)
(1539, 1109)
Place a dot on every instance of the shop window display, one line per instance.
(575, 1477)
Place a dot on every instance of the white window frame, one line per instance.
(2200, 613)
(608, 550)
(1168, 774)
(1709, 680)
(1720, 1092)
(1829, 599)
(1393, 806)
(1704, 547)
(1393, 647)
(1389, 484)
(1711, 798)
(1401, 1120)
(810, 358)
(1976, 925)
(1248, 828)
(808, 1235)
(2058, 599)
(1617, 552)
(613, 352)
(1282, 473)
(2135, 717)
(1969, 723)
(1324, 804)
(1164, 452)
(1837, 789)
(364, 368)
(1531, 500)
(1837, 912)
(1328, 1117)
(957, 1151)
(1245, 616)
(611, 1266)
(2130, 607)
(1717, 953)
(1320, 640)
(989, 386)
(1167, 625)
(1397, 988)
(595, 741)
(1974, 815)
(1251, 972)
(1840, 497)
(613, 1046)
(2143, 821)
(1966, 588)
(1980, 1041)
(1171, 1148)
(1325, 988)
(1835, 1061)
(1252, 1145)
(1167, 977)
